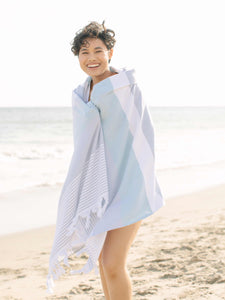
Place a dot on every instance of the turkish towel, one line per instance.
(111, 179)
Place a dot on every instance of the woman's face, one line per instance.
(93, 59)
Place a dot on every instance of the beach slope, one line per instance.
(179, 253)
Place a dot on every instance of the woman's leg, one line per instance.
(116, 280)
(103, 280)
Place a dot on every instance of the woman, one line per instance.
(118, 142)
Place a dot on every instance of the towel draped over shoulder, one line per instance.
(111, 179)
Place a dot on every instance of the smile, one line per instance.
(93, 66)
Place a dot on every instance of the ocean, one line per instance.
(36, 145)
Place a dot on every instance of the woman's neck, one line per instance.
(96, 79)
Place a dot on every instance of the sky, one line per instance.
(176, 47)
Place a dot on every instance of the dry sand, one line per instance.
(179, 253)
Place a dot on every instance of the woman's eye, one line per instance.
(98, 51)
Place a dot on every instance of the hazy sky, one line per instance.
(177, 48)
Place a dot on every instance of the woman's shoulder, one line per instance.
(82, 87)
(122, 69)
(125, 74)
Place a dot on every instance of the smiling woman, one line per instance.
(94, 47)
(111, 184)
(94, 58)
(93, 30)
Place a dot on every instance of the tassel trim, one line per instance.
(98, 208)
(55, 269)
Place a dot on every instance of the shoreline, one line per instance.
(179, 252)
(37, 206)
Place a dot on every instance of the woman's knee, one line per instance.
(111, 266)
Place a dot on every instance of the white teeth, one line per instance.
(93, 66)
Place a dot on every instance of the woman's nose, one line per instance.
(91, 57)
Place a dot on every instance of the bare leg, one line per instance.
(113, 262)
(103, 280)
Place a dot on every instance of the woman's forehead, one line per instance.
(92, 42)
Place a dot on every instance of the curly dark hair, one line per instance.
(93, 30)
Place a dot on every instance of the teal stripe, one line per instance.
(121, 159)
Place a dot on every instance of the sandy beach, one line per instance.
(182, 258)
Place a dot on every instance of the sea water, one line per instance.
(36, 146)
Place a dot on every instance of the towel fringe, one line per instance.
(98, 208)
(55, 269)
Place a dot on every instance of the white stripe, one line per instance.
(141, 147)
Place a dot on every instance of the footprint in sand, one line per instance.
(21, 276)
(44, 253)
(150, 291)
(170, 276)
(175, 220)
(160, 260)
(194, 259)
(214, 279)
(185, 247)
(81, 288)
(8, 271)
(168, 251)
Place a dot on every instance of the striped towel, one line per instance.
(111, 179)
